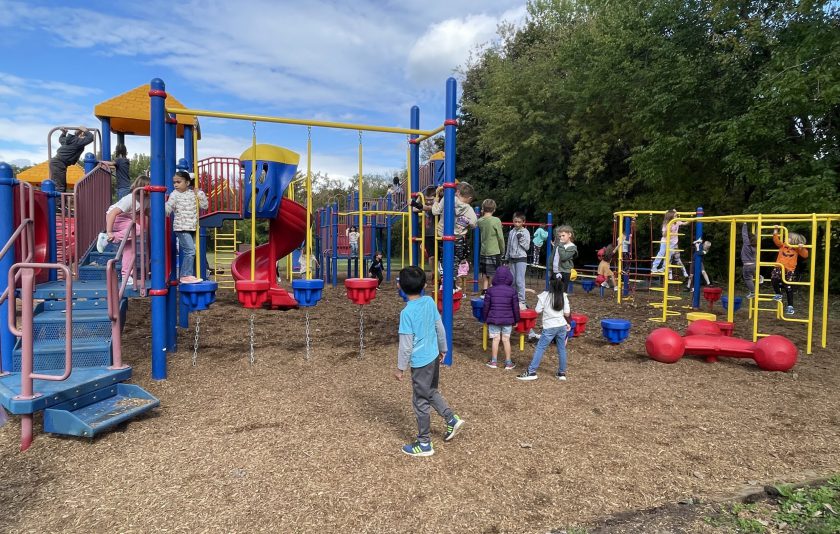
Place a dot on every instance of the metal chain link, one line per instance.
(308, 339)
(195, 344)
(361, 332)
(252, 338)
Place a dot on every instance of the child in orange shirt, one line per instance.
(789, 254)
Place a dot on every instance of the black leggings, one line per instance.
(779, 284)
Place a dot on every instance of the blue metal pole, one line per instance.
(183, 311)
(188, 146)
(548, 251)
(388, 220)
(7, 228)
(48, 187)
(414, 161)
(476, 251)
(89, 162)
(159, 290)
(106, 139)
(449, 215)
(172, 296)
(697, 260)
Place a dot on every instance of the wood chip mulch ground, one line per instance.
(296, 445)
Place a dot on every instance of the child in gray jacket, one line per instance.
(519, 241)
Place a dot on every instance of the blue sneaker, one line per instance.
(452, 427)
(419, 449)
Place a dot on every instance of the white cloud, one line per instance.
(446, 45)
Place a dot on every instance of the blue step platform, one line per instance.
(97, 411)
(80, 382)
(82, 289)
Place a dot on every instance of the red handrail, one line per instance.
(26, 272)
(91, 200)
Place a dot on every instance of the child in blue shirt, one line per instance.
(423, 344)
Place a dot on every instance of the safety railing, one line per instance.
(91, 199)
(221, 180)
(66, 232)
(25, 232)
(26, 273)
(97, 136)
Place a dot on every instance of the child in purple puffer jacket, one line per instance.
(500, 313)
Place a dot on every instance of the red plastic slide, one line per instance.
(286, 232)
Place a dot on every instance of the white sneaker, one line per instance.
(523, 306)
(101, 242)
(130, 282)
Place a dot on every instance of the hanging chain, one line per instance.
(308, 339)
(254, 128)
(252, 338)
(195, 344)
(361, 332)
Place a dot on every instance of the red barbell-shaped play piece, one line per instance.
(772, 353)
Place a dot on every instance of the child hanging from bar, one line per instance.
(465, 219)
(788, 257)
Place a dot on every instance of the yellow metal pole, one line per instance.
(484, 337)
(300, 122)
(813, 283)
(620, 278)
(757, 297)
(197, 205)
(423, 238)
(290, 274)
(435, 265)
(733, 232)
(408, 207)
(402, 243)
(825, 281)
(360, 259)
(254, 201)
(308, 202)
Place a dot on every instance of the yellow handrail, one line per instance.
(299, 122)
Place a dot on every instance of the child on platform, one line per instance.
(185, 202)
(353, 238)
(423, 345)
(789, 254)
(540, 235)
(565, 252)
(492, 243)
(121, 168)
(519, 241)
(376, 268)
(465, 219)
(500, 313)
(554, 306)
(118, 222)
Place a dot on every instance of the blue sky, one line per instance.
(362, 61)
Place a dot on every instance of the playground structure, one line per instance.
(762, 227)
(251, 285)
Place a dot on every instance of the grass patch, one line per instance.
(809, 510)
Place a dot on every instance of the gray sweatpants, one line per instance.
(424, 383)
(518, 268)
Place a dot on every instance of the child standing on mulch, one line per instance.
(375, 269)
(423, 345)
(519, 241)
(492, 243)
(500, 313)
(554, 306)
(565, 253)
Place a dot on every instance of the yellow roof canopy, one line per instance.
(40, 172)
(129, 112)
